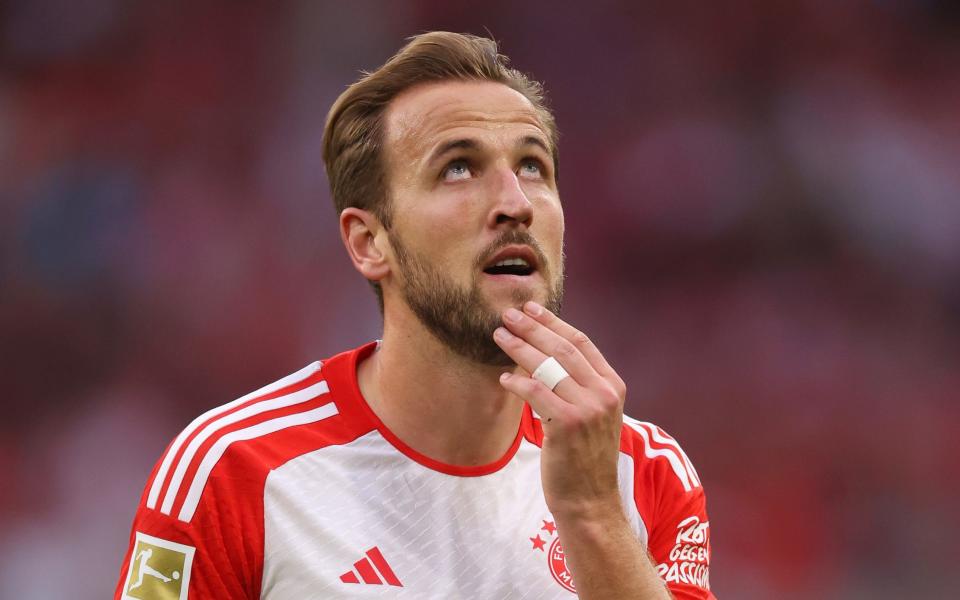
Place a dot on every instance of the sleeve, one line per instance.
(216, 553)
(669, 495)
(680, 545)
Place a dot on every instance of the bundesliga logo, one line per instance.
(556, 559)
(158, 569)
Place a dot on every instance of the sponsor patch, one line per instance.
(159, 569)
(689, 560)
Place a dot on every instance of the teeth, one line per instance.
(512, 262)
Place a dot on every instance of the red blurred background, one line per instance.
(763, 217)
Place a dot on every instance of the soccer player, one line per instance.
(479, 450)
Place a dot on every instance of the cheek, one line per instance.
(446, 245)
(453, 209)
(439, 221)
(552, 223)
(452, 226)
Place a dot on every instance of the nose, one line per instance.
(511, 204)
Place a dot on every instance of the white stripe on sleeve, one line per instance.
(666, 440)
(298, 397)
(678, 467)
(249, 433)
(291, 379)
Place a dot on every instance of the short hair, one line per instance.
(353, 138)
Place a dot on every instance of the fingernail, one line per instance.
(504, 377)
(513, 315)
(502, 334)
(533, 308)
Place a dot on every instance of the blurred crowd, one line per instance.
(763, 236)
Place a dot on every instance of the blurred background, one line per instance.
(763, 216)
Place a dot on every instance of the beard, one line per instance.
(460, 317)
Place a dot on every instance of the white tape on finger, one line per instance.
(550, 373)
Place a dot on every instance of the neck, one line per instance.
(439, 403)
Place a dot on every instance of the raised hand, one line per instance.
(582, 415)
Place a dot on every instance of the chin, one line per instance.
(516, 298)
(505, 294)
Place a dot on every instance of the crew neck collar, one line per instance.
(352, 389)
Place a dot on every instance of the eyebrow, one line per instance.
(472, 144)
(532, 140)
(460, 144)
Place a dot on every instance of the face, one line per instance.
(477, 222)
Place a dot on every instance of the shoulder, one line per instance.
(228, 451)
(203, 503)
(657, 455)
(671, 502)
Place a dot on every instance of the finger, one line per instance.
(573, 335)
(545, 403)
(549, 343)
(529, 358)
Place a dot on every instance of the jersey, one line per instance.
(299, 491)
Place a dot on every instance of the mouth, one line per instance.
(519, 261)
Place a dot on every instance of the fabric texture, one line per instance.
(299, 491)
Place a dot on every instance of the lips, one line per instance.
(513, 260)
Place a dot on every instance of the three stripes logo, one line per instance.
(371, 569)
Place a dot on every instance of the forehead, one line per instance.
(425, 114)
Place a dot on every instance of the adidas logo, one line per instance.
(372, 569)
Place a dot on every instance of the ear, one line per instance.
(361, 232)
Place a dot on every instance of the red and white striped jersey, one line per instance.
(299, 491)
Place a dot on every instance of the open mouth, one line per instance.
(511, 266)
(515, 260)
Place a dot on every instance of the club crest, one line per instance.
(547, 541)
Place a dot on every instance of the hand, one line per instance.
(581, 417)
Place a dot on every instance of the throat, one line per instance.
(451, 411)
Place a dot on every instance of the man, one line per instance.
(479, 450)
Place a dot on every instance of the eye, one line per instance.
(456, 171)
(531, 168)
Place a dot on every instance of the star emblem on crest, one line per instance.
(538, 543)
(540, 539)
(556, 560)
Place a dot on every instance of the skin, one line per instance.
(451, 208)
